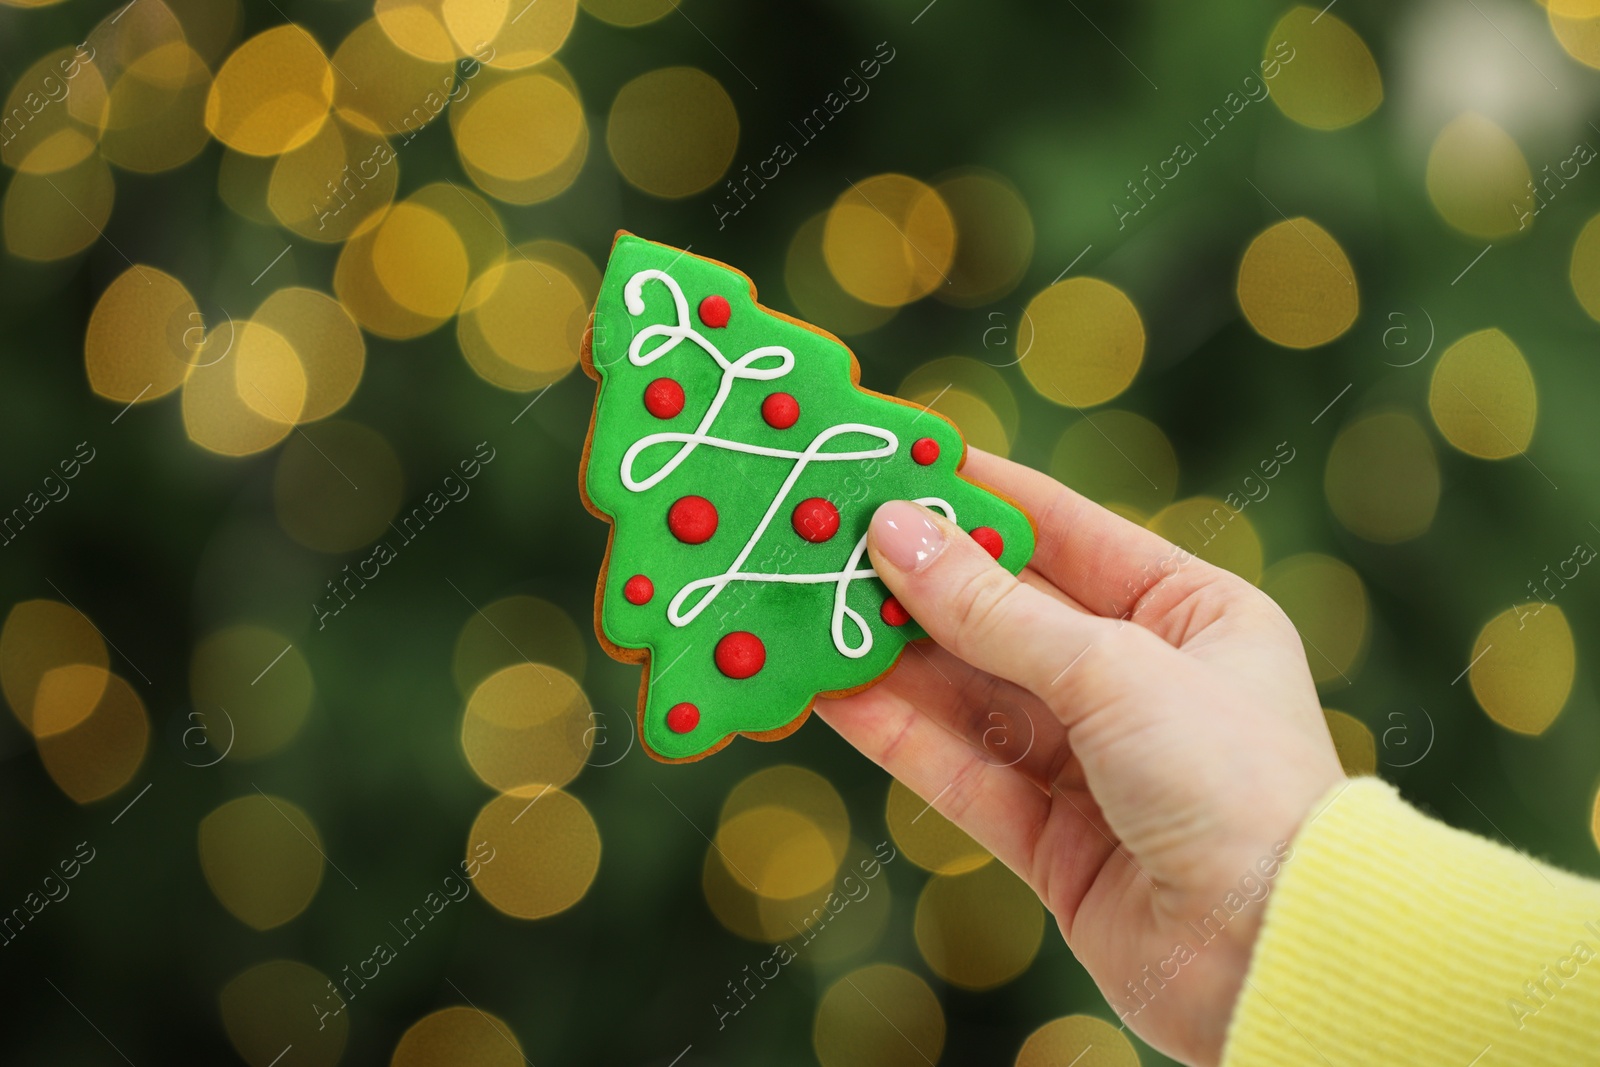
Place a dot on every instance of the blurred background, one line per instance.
(298, 585)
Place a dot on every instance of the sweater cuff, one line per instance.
(1392, 938)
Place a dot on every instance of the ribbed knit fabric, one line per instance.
(1390, 938)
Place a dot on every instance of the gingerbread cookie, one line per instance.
(739, 464)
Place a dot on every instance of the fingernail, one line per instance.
(905, 535)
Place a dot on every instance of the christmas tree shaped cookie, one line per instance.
(739, 464)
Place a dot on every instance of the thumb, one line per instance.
(976, 608)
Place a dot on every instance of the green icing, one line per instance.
(794, 621)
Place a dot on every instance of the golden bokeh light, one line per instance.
(734, 902)
(54, 216)
(776, 852)
(673, 132)
(138, 345)
(458, 1037)
(385, 89)
(522, 323)
(491, 31)
(337, 487)
(545, 851)
(1478, 178)
(41, 637)
(336, 185)
(1296, 286)
(1522, 666)
(1211, 530)
(1357, 748)
(802, 790)
(273, 93)
(980, 426)
(405, 278)
(1585, 270)
(927, 838)
(1081, 341)
(66, 696)
(782, 834)
(1330, 79)
(529, 35)
(817, 294)
(494, 144)
(978, 381)
(281, 1003)
(327, 342)
(251, 689)
(210, 26)
(854, 923)
(1382, 478)
(63, 98)
(961, 372)
(527, 725)
(268, 376)
(1077, 1041)
(472, 217)
(979, 930)
(356, 284)
(1594, 820)
(125, 34)
(1117, 458)
(1327, 603)
(996, 237)
(245, 392)
(572, 262)
(262, 857)
(1130, 512)
(102, 752)
(420, 261)
(629, 12)
(418, 28)
(512, 630)
(881, 1014)
(156, 116)
(518, 128)
(889, 239)
(1483, 397)
(1578, 35)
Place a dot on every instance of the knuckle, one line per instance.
(978, 690)
(897, 741)
(963, 792)
(1256, 605)
(1239, 590)
(982, 606)
(1099, 672)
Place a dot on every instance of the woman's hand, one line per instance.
(1177, 739)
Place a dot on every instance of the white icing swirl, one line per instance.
(745, 367)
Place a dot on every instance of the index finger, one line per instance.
(1100, 559)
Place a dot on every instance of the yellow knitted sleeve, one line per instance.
(1390, 938)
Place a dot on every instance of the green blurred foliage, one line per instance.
(161, 542)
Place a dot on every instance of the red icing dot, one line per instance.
(715, 312)
(780, 410)
(925, 450)
(740, 654)
(663, 398)
(990, 540)
(894, 613)
(639, 589)
(692, 519)
(816, 520)
(683, 718)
